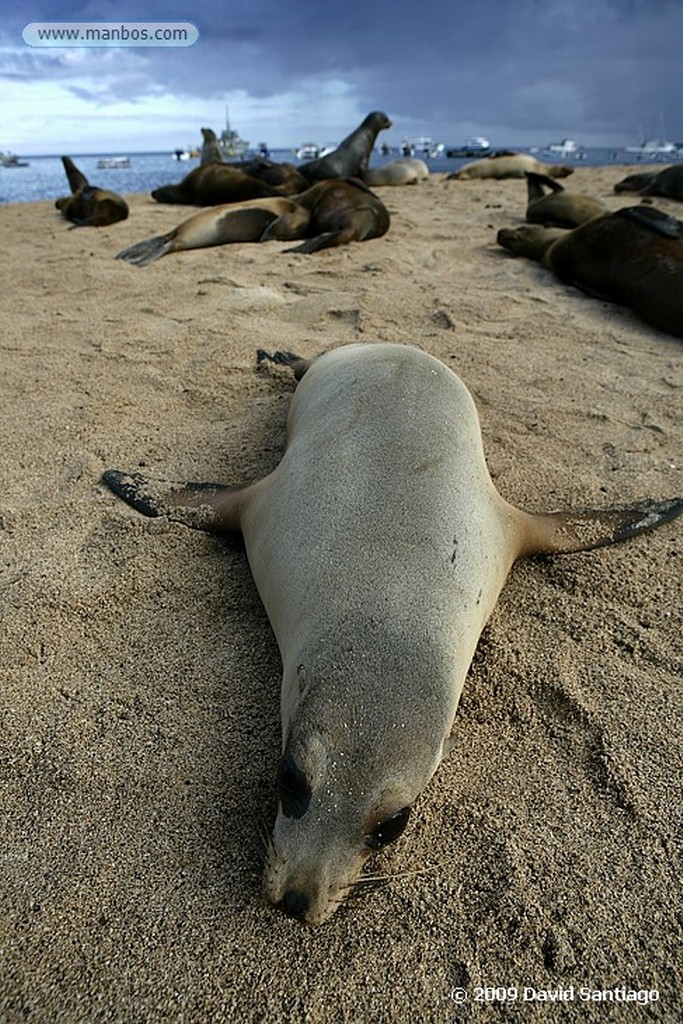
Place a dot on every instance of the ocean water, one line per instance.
(44, 178)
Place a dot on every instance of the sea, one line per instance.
(44, 176)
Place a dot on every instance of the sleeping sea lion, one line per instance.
(633, 257)
(350, 158)
(508, 165)
(379, 546)
(667, 183)
(88, 206)
(559, 207)
(327, 214)
(214, 184)
(404, 171)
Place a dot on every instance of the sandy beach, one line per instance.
(140, 698)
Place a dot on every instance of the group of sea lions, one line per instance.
(324, 202)
(633, 256)
(379, 544)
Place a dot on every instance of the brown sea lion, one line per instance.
(379, 546)
(558, 207)
(214, 184)
(328, 214)
(350, 158)
(338, 212)
(667, 183)
(211, 153)
(508, 165)
(633, 257)
(89, 206)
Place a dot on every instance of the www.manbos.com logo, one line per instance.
(110, 33)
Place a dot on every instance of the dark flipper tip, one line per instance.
(131, 487)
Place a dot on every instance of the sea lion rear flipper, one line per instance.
(143, 253)
(201, 506)
(535, 183)
(298, 364)
(560, 532)
(77, 180)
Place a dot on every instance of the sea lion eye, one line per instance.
(293, 787)
(388, 830)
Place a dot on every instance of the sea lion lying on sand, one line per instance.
(379, 546)
(667, 183)
(404, 171)
(327, 214)
(633, 257)
(508, 165)
(559, 207)
(89, 206)
(214, 184)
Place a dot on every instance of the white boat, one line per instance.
(110, 162)
(185, 154)
(307, 151)
(475, 146)
(566, 148)
(11, 160)
(654, 147)
(421, 144)
(230, 143)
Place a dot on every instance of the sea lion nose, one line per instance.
(295, 903)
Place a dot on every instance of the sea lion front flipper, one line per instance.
(324, 241)
(560, 532)
(652, 218)
(201, 506)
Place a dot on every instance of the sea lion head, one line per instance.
(348, 778)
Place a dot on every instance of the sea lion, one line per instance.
(558, 207)
(404, 171)
(211, 153)
(350, 158)
(633, 257)
(89, 206)
(327, 214)
(214, 184)
(667, 183)
(218, 225)
(379, 546)
(337, 212)
(508, 165)
(284, 175)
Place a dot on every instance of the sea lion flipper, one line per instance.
(560, 532)
(210, 507)
(535, 183)
(652, 218)
(143, 253)
(298, 364)
(77, 180)
(323, 241)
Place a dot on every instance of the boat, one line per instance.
(230, 143)
(475, 146)
(423, 145)
(112, 162)
(566, 149)
(654, 148)
(189, 153)
(307, 151)
(11, 160)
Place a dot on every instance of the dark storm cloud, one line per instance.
(520, 68)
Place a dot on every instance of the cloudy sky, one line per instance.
(521, 72)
